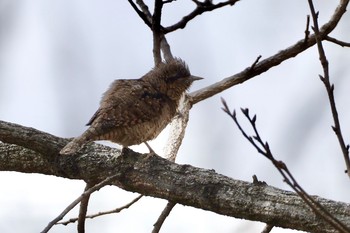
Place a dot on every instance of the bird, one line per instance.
(134, 111)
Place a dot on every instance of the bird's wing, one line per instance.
(128, 103)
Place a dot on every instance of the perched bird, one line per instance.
(136, 110)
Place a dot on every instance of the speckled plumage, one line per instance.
(137, 110)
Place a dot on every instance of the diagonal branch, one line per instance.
(88, 192)
(264, 149)
(272, 61)
(91, 216)
(141, 14)
(330, 89)
(157, 34)
(84, 202)
(163, 216)
(338, 42)
(202, 7)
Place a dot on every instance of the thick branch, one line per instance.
(157, 177)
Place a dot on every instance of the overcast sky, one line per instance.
(58, 57)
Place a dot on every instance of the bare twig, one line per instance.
(255, 62)
(338, 42)
(141, 14)
(168, 56)
(159, 40)
(91, 216)
(271, 61)
(168, 1)
(76, 201)
(157, 35)
(267, 228)
(307, 31)
(163, 216)
(264, 149)
(145, 10)
(330, 89)
(201, 8)
(83, 209)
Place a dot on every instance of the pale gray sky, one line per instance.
(58, 57)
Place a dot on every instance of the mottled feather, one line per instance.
(137, 110)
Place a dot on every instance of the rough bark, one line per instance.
(37, 152)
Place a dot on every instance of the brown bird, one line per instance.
(136, 110)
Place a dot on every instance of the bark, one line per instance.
(31, 151)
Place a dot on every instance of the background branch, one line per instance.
(272, 61)
(88, 192)
(338, 42)
(201, 8)
(264, 149)
(330, 89)
(157, 35)
(91, 216)
(163, 216)
(146, 18)
(83, 209)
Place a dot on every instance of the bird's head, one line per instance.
(172, 78)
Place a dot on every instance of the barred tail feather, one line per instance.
(72, 147)
(77, 143)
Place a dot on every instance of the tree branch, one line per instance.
(157, 177)
(272, 61)
(91, 216)
(163, 216)
(83, 209)
(141, 14)
(157, 35)
(88, 192)
(338, 42)
(330, 89)
(264, 149)
(201, 8)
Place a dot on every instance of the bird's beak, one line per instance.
(194, 78)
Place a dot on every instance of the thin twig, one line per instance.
(76, 201)
(201, 8)
(91, 216)
(264, 149)
(145, 10)
(267, 228)
(168, 56)
(163, 44)
(330, 89)
(338, 42)
(271, 61)
(167, 1)
(83, 209)
(255, 62)
(141, 14)
(157, 35)
(163, 216)
(307, 31)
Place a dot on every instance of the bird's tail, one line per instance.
(77, 143)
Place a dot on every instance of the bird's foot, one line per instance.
(151, 151)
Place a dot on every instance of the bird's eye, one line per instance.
(175, 77)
